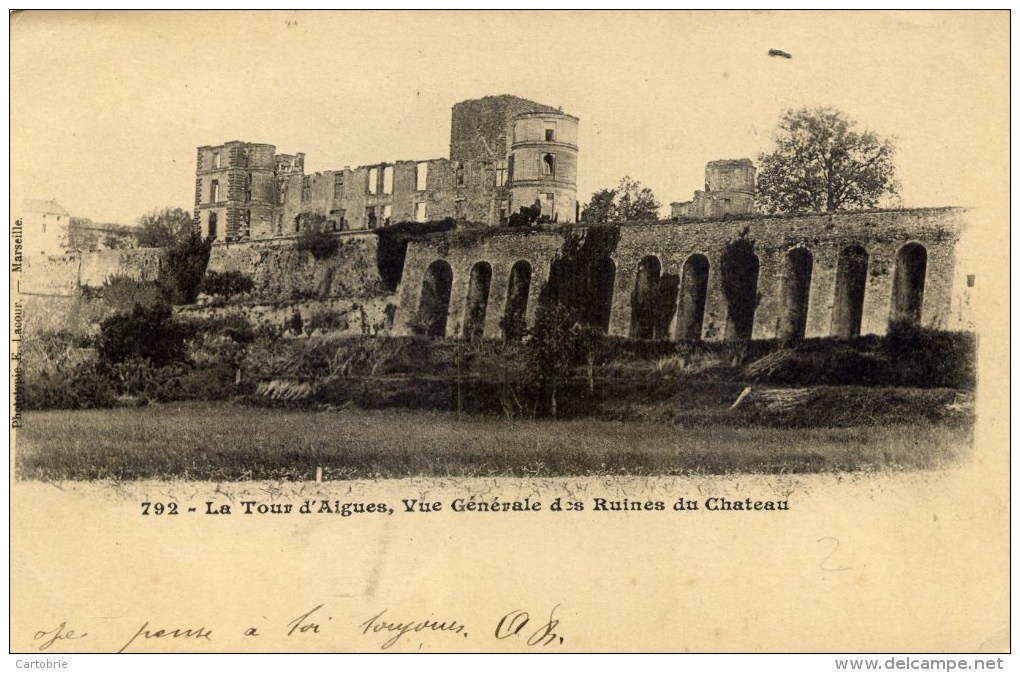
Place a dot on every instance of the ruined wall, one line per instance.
(349, 317)
(63, 274)
(282, 272)
(880, 234)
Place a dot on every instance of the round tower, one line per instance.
(543, 164)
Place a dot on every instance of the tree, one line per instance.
(822, 162)
(146, 333)
(164, 228)
(629, 202)
(182, 274)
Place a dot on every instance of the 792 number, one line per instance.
(159, 508)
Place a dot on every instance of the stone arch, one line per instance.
(642, 299)
(477, 300)
(434, 305)
(739, 271)
(795, 291)
(693, 295)
(908, 284)
(851, 281)
(514, 317)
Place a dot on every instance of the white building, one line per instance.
(45, 225)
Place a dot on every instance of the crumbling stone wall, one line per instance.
(64, 274)
(881, 234)
(282, 272)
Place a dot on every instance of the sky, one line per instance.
(107, 108)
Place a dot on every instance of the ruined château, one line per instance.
(715, 271)
(505, 152)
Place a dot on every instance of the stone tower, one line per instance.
(543, 164)
(235, 190)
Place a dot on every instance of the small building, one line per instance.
(45, 225)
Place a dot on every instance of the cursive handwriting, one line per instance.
(377, 624)
(59, 633)
(197, 633)
(516, 622)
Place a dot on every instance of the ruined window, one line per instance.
(283, 193)
(514, 321)
(387, 213)
(477, 300)
(214, 191)
(460, 175)
(434, 304)
(373, 180)
(216, 160)
(211, 231)
(247, 224)
(510, 170)
(908, 284)
(306, 189)
(693, 293)
(795, 291)
(970, 280)
(370, 217)
(739, 275)
(549, 165)
(550, 133)
(338, 185)
(387, 180)
(419, 212)
(247, 185)
(279, 225)
(501, 173)
(421, 176)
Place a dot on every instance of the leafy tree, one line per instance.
(629, 202)
(164, 228)
(551, 345)
(226, 284)
(822, 162)
(601, 208)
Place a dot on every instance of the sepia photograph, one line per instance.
(510, 331)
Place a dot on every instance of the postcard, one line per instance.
(509, 332)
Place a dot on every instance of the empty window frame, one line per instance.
(421, 176)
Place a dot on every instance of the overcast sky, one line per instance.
(108, 108)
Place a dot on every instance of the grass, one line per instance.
(223, 441)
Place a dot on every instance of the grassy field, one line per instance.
(223, 441)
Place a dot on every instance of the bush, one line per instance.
(147, 333)
(321, 244)
(326, 320)
(226, 284)
(185, 267)
(86, 386)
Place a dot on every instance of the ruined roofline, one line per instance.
(486, 231)
(538, 107)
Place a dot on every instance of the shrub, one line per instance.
(321, 244)
(147, 333)
(185, 267)
(86, 386)
(226, 284)
(326, 320)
